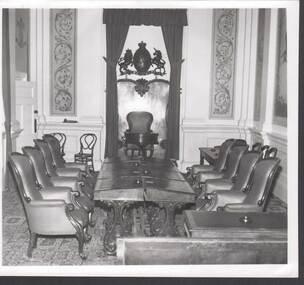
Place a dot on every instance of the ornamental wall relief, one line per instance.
(63, 44)
(224, 43)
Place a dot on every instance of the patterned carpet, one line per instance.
(61, 251)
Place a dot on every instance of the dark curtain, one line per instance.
(148, 17)
(6, 83)
(172, 22)
(116, 36)
(173, 37)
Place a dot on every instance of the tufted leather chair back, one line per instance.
(38, 161)
(261, 183)
(45, 150)
(139, 122)
(246, 166)
(233, 160)
(25, 177)
(54, 146)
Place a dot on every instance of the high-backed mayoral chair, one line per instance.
(48, 213)
(255, 196)
(48, 182)
(86, 153)
(230, 170)
(61, 137)
(139, 137)
(215, 189)
(73, 173)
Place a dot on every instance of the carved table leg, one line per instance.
(119, 223)
(162, 223)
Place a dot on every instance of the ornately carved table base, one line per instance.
(161, 218)
(119, 222)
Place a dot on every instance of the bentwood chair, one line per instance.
(59, 162)
(215, 189)
(48, 213)
(61, 137)
(54, 146)
(258, 191)
(230, 170)
(46, 181)
(73, 173)
(86, 153)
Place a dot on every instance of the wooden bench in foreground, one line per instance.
(152, 251)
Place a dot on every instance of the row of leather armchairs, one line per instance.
(57, 195)
(239, 181)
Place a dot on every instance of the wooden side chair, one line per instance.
(86, 153)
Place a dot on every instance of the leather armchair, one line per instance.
(217, 190)
(49, 214)
(60, 163)
(259, 188)
(225, 149)
(75, 176)
(230, 170)
(241, 179)
(48, 183)
(220, 163)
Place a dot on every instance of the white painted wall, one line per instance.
(90, 82)
(196, 129)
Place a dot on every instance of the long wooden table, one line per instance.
(155, 185)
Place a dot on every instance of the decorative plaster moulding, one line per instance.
(223, 67)
(63, 61)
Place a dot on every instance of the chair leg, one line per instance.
(32, 244)
(81, 239)
(87, 236)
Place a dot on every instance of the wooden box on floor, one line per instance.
(218, 240)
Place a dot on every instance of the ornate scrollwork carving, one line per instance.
(63, 60)
(224, 49)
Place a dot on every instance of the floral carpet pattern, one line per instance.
(62, 251)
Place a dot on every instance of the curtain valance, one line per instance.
(148, 17)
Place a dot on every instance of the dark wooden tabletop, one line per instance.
(142, 180)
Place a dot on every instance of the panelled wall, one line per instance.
(216, 103)
(89, 80)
